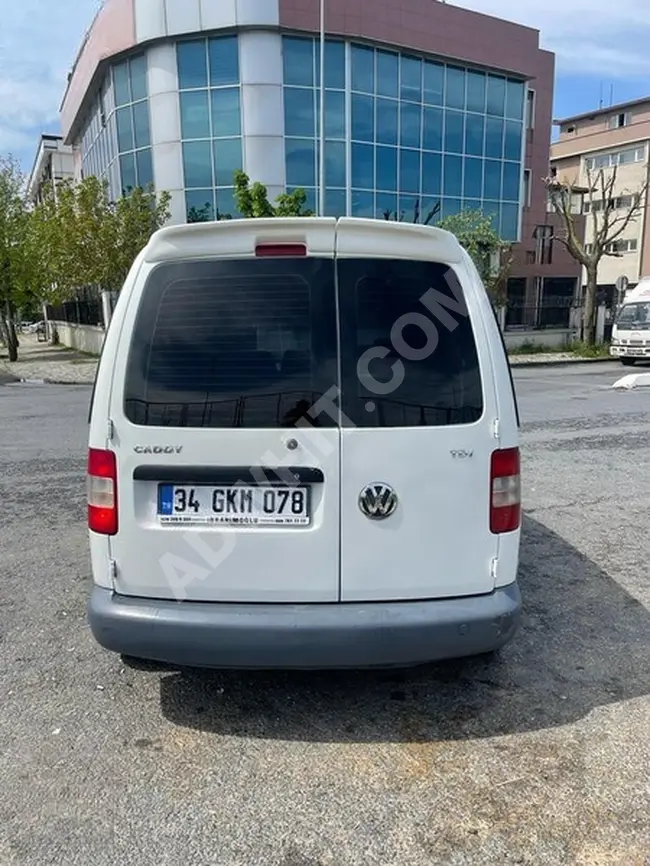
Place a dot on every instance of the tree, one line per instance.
(608, 224)
(15, 266)
(83, 239)
(131, 222)
(253, 200)
(490, 253)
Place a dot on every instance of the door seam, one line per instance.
(339, 373)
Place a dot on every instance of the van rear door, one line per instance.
(222, 494)
(419, 408)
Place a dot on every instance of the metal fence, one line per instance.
(555, 315)
(79, 312)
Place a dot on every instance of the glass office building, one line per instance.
(211, 123)
(116, 140)
(404, 134)
(427, 106)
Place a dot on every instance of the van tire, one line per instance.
(628, 362)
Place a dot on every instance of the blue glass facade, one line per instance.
(116, 141)
(403, 131)
(132, 122)
(211, 128)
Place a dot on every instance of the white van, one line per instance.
(631, 330)
(304, 451)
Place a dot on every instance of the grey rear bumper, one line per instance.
(286, 636)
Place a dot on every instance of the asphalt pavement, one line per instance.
(539, 757)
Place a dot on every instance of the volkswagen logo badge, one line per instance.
(378, 501)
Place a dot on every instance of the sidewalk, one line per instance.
(58, 365)
(44, 363)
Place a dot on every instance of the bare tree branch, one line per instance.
(632, 215)
(606, 222)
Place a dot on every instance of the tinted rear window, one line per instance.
(410, 357)
(233, 344)
(255, 344)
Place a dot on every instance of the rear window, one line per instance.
(233, 344)
(410, 357)
(256, 344)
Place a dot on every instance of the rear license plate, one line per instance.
(234, 505)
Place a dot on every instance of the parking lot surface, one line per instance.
(539, 757)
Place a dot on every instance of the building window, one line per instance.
(530, 109)
(527, 187)
(622, 246)
(132, 123)
(302, 117)
(421, 133)
(116, 143)
(621, 202)
(618, 121)
(543, 236)
(210, 108)
(616, 158)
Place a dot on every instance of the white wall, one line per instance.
(85, 338)
(165, 118)
(156, 19)
(260, 59)
(554, 339)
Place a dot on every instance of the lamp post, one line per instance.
(321, 160)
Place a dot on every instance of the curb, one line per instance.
(58, 382)
(7, 379)
(564, 362)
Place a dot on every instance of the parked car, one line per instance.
(304, 451)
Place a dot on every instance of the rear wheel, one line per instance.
(628, 362)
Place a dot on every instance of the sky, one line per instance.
(600, 45)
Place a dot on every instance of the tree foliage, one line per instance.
(89, 241)
(253, 200)
(16, 266)
(608, 224)
(490, 253)
(76, 239)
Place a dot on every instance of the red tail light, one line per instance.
(505, 491)
(102, 492)
(275, 250)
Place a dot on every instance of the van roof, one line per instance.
(239, 238)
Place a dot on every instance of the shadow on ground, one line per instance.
(584, 643)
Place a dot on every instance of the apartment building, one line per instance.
(616, 137)
(54, 163)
